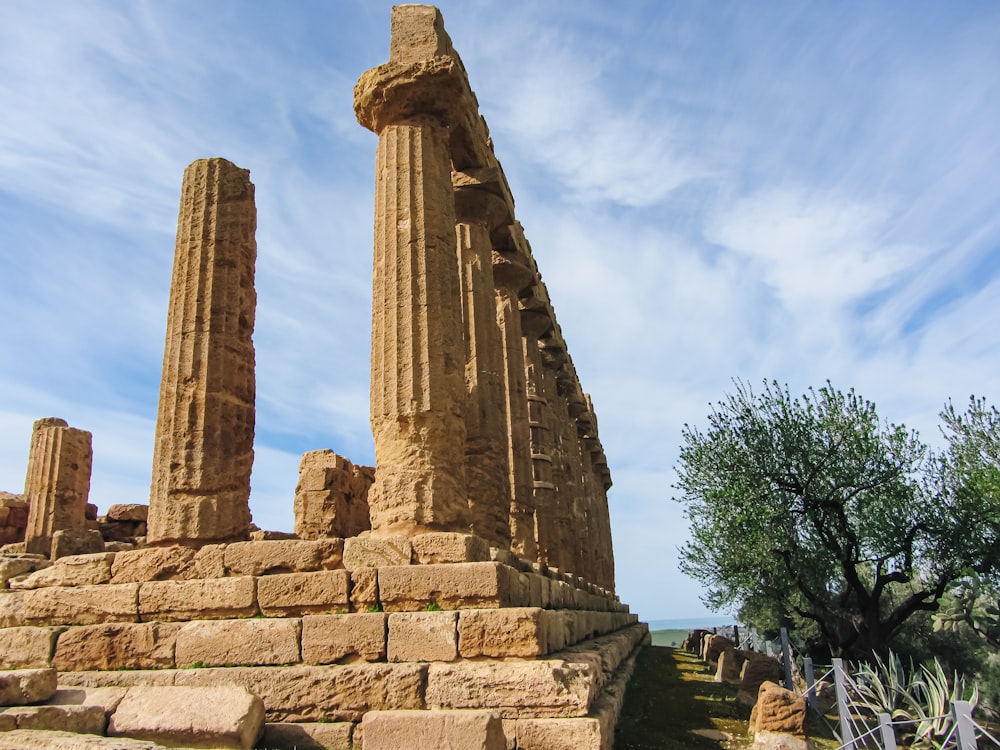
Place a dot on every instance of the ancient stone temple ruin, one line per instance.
(459, 594)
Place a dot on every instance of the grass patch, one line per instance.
(672, 695)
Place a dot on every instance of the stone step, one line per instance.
(447, 635)
(563, 684)
(30, 739)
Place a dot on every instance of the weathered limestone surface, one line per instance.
(217, 643)
(485, 585)
(173, 601)
(205, 424)
(337, 735)
(423, 636)
(778, 710)
(152, 564)
(13, 565)
(218, 717)
(30, 739)
(77, 605)
(75, 570)
(58, 481)
(81, 719)
(329, 639)
(148, 645)
(68, 542)
(27, 647)
(515, 632)
(21, 687)
(529, 688)
(455, 730)
(282, 556)
(294, 594)
(331, 498)
(375, 552)
(13, 517)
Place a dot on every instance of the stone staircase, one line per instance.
(334, 643)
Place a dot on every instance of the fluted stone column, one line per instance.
(57, 483)
(487, 473)
(536, 322)
(205, 424)
(418, 354)
(511, 276)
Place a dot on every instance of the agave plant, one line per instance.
(920, 698)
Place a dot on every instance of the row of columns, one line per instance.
(478, 418)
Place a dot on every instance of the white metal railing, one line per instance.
(855, 715)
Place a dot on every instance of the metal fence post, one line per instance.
(786, 657)
(810, 684)
(843, 711)
(962, 710)
(888, 735)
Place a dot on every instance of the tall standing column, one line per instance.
(510, 277)
(417, 385)
(57, 483)
(535, 323)
(487, 474)
(205, 424)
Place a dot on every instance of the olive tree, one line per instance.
(814, 507)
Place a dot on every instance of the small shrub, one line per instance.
(432, 607)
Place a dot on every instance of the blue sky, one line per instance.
(788, 190)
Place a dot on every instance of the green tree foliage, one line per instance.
(814, 508)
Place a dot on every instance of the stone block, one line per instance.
(544, 688)
(376, 552)
(455, 730)
(778, 710)
(209, 562)
(305, 693)
(11, 608)
(75, 570)
(217, 717)
(423, 636)
(329, 639)
(765, 740)
(22, 687)
(728, 670)
(152, 564)
(337, 735)
(67, 542)
(251, 642)
(283, 556)
(34, 739)
(449, 547)
(146, 645)
(27, 647)
(331, 498)
(128, 512)
(77, 719)
(107, 698)
(293, 594)
(80, 605)
(12, 565)
(213, 599)
(484, 585)
(500, 633)
(557, 629)
(587, 733)
(364, 589)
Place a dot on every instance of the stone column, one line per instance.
(58, 482)
(535, 323)
(205, 424)
(418, 354)
(510, 276)
(487, 473)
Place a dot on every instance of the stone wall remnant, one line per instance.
(57, 483)
(205, 424)
(331, 498)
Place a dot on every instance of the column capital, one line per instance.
(394, 93)
(479, 205)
